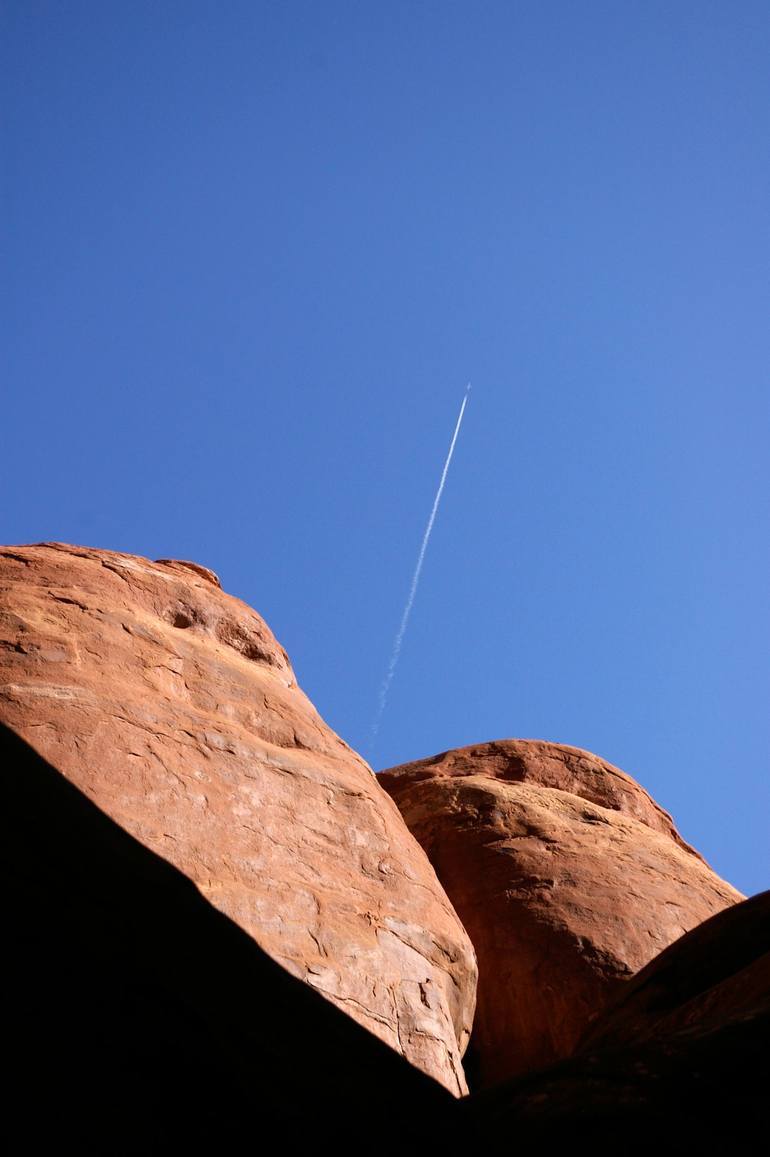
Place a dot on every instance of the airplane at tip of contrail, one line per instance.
(416, 578)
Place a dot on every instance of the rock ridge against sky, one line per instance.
(171, 705)
(614, 966)
(568, 877)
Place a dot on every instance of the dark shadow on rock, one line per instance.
(718, 974)
(139, 1019)
(682, 1055)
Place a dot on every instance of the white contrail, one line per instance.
(415, 579)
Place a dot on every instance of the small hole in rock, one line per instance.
(181, 619)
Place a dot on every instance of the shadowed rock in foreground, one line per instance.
(679, 1062)
(566, 874)
(138, 1019)
(171, 705)
(716, 976)
(141, 1014)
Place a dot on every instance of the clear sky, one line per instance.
(254, 251)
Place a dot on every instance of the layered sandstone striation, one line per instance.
(171, 706)
(568, 877)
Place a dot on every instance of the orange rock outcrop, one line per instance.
(171, 706)
(568, 877)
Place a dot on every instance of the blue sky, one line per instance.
(254, 251)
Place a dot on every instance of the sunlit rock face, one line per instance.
(568, 877)
(141, 1020)
(171, 705)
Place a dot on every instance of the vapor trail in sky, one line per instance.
(415, 580)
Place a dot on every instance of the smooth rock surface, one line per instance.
(173, 708)
(568, 877)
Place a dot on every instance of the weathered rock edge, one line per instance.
(171, 705)
(566, 874)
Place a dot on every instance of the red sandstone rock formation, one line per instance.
(714, 977)
(172, 707)
(139, 1020)
(567, 876)
(678, 1062)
